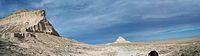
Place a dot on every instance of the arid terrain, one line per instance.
(28, 33)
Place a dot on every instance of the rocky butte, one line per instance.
(27, 21)
(28, 33)
(121, 40)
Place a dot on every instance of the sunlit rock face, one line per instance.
(120, 39)
(28, 33)
(27, 21)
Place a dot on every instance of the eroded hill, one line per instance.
(28, 33)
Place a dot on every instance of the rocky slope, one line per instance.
(28, 33)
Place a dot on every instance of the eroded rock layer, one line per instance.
(27, 21)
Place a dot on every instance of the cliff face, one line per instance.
(27, 21)
(28, 33)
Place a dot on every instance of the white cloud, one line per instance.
(161, 30)
(163, 16)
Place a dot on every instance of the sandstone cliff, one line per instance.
(28, 33)
(27, 21)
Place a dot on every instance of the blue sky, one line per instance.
(101, 21)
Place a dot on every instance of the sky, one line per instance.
(102, 21)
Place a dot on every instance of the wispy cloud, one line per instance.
(163, 30)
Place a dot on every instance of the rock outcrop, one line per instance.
(27, 21)
(121, 40)
(28, 33)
